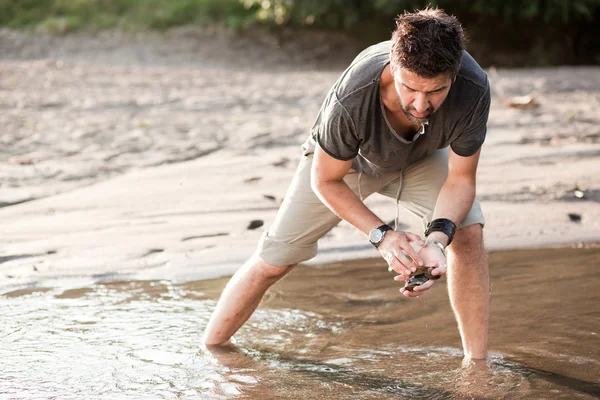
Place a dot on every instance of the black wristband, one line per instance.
(442, 225)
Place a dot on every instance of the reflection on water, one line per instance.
(341, 332)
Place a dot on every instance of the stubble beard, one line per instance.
(412, 118)
(416, 120)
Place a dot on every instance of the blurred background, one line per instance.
(502, 32)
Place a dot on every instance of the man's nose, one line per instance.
(421, 103)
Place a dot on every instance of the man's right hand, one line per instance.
(396, 249)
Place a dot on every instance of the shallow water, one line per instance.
(336, 332)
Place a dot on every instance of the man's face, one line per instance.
(420, 97)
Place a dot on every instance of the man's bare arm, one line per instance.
(454, 202)
(327, 181)
(458, 192)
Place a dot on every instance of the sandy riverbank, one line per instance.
(150, 157)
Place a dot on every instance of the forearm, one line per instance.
(395, 247)
(454, 202)
(340, 199)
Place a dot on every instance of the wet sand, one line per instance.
(340, 331)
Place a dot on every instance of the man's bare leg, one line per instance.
(240, 298)
(469, 288)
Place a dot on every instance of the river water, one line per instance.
(325, 332)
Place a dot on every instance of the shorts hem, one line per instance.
(282, 254)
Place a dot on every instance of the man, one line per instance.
(406, 119)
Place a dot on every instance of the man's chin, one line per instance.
(417, 120)
(421, 119)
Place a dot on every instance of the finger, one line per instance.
(425, 286)
(398, 266)
(399, 277)
(408, 261)
(440, 269)
(408, 293)
(415, 238)
(411, 252)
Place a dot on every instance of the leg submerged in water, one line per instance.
(240, 298)
(469, 289)
(300, 222)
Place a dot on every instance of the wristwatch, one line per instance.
(377, 234)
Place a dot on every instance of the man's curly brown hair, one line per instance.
(428, 43)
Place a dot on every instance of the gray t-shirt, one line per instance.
(352, 124)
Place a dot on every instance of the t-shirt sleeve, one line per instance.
(474, 129)
(336, 133)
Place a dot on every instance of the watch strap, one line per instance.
(385, 228)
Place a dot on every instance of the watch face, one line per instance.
(375, 236)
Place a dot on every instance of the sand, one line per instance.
(149, 157)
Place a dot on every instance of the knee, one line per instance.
(467, 252)
(268, 272)
(468, 238)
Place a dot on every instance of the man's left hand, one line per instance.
(432, 256)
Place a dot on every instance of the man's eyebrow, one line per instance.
(431, 91)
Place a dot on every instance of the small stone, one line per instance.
(257, 223)
(283, 162)
(574, 217)
(254, 179)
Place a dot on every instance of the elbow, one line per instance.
(316, 185)
(324, 189)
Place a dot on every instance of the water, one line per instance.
(341, 332)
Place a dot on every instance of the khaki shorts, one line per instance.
(303, 219)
